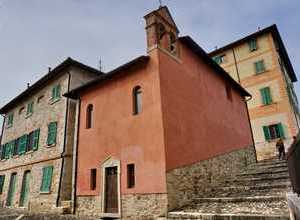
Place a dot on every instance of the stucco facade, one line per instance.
(185, 123)
(59, 155)
(278, 75)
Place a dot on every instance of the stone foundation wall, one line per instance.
(144, 206)
(133, 206)
(189, 182)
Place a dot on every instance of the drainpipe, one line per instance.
(252, 136)
(75, 157)
(236, 67)
(65, 141)
(2, 131)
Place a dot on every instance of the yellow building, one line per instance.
(260, 63)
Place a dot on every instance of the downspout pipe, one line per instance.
(65, 142)
(75, 157)
(2, 131)
(252, 136)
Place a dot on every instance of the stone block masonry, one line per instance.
(186, 183)
(133, 206)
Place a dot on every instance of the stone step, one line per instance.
(262, 172)
(206, 216)
(254, 180)
(241, 199)
(263, 205)
(270, 162)
(265, 167)
(258, 190)
(262, 177)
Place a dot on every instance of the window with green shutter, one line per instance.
(252, 45)
(52, 132)
(10, 119)
(219, 59)
(16, 147)
(36, 138)
(2, 179)
(56, 92)
(266, 96)
(23, 144)
(259, 66)
(7, 150)
(29, 108)
(274, 131)
(47, 179)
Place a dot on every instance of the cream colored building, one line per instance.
(260, 63)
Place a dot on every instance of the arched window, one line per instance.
(161, 31)
(137, 100)
(89, 116)
(172, 43)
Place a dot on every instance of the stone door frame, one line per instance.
(110, 162)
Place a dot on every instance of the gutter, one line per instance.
(65, 141)
(75, 156)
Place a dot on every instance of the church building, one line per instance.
(157, 131)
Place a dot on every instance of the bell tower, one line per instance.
(162, 31)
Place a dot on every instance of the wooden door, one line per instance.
(11, 189)
(25, 189)
(111, 190)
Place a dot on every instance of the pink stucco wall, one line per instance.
(200, 122)
(119, 134)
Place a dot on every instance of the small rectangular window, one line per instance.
(10, 119)
(46, 179)
(52, 132)
(2, 179)
(93, 179)
(266, 96)
(29, 108)
(130, 175)
(16, 147)
(23, 144)
(252, 45)
(56, 90)
(259, 66)
(219, 59)
(273, 131)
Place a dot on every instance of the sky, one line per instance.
(37, 34)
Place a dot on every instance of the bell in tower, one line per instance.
(162, 31)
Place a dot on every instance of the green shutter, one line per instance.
(47, 179)
(2, 179)
(217, 59)
(252, 45)
(259, 66)
(23, 144)
(7, 151)
(280, 130)
(57, 91)
(29, 108)
(52, 131)
(266, 96)
(10, 119)
(267, 133)
(36, 137)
